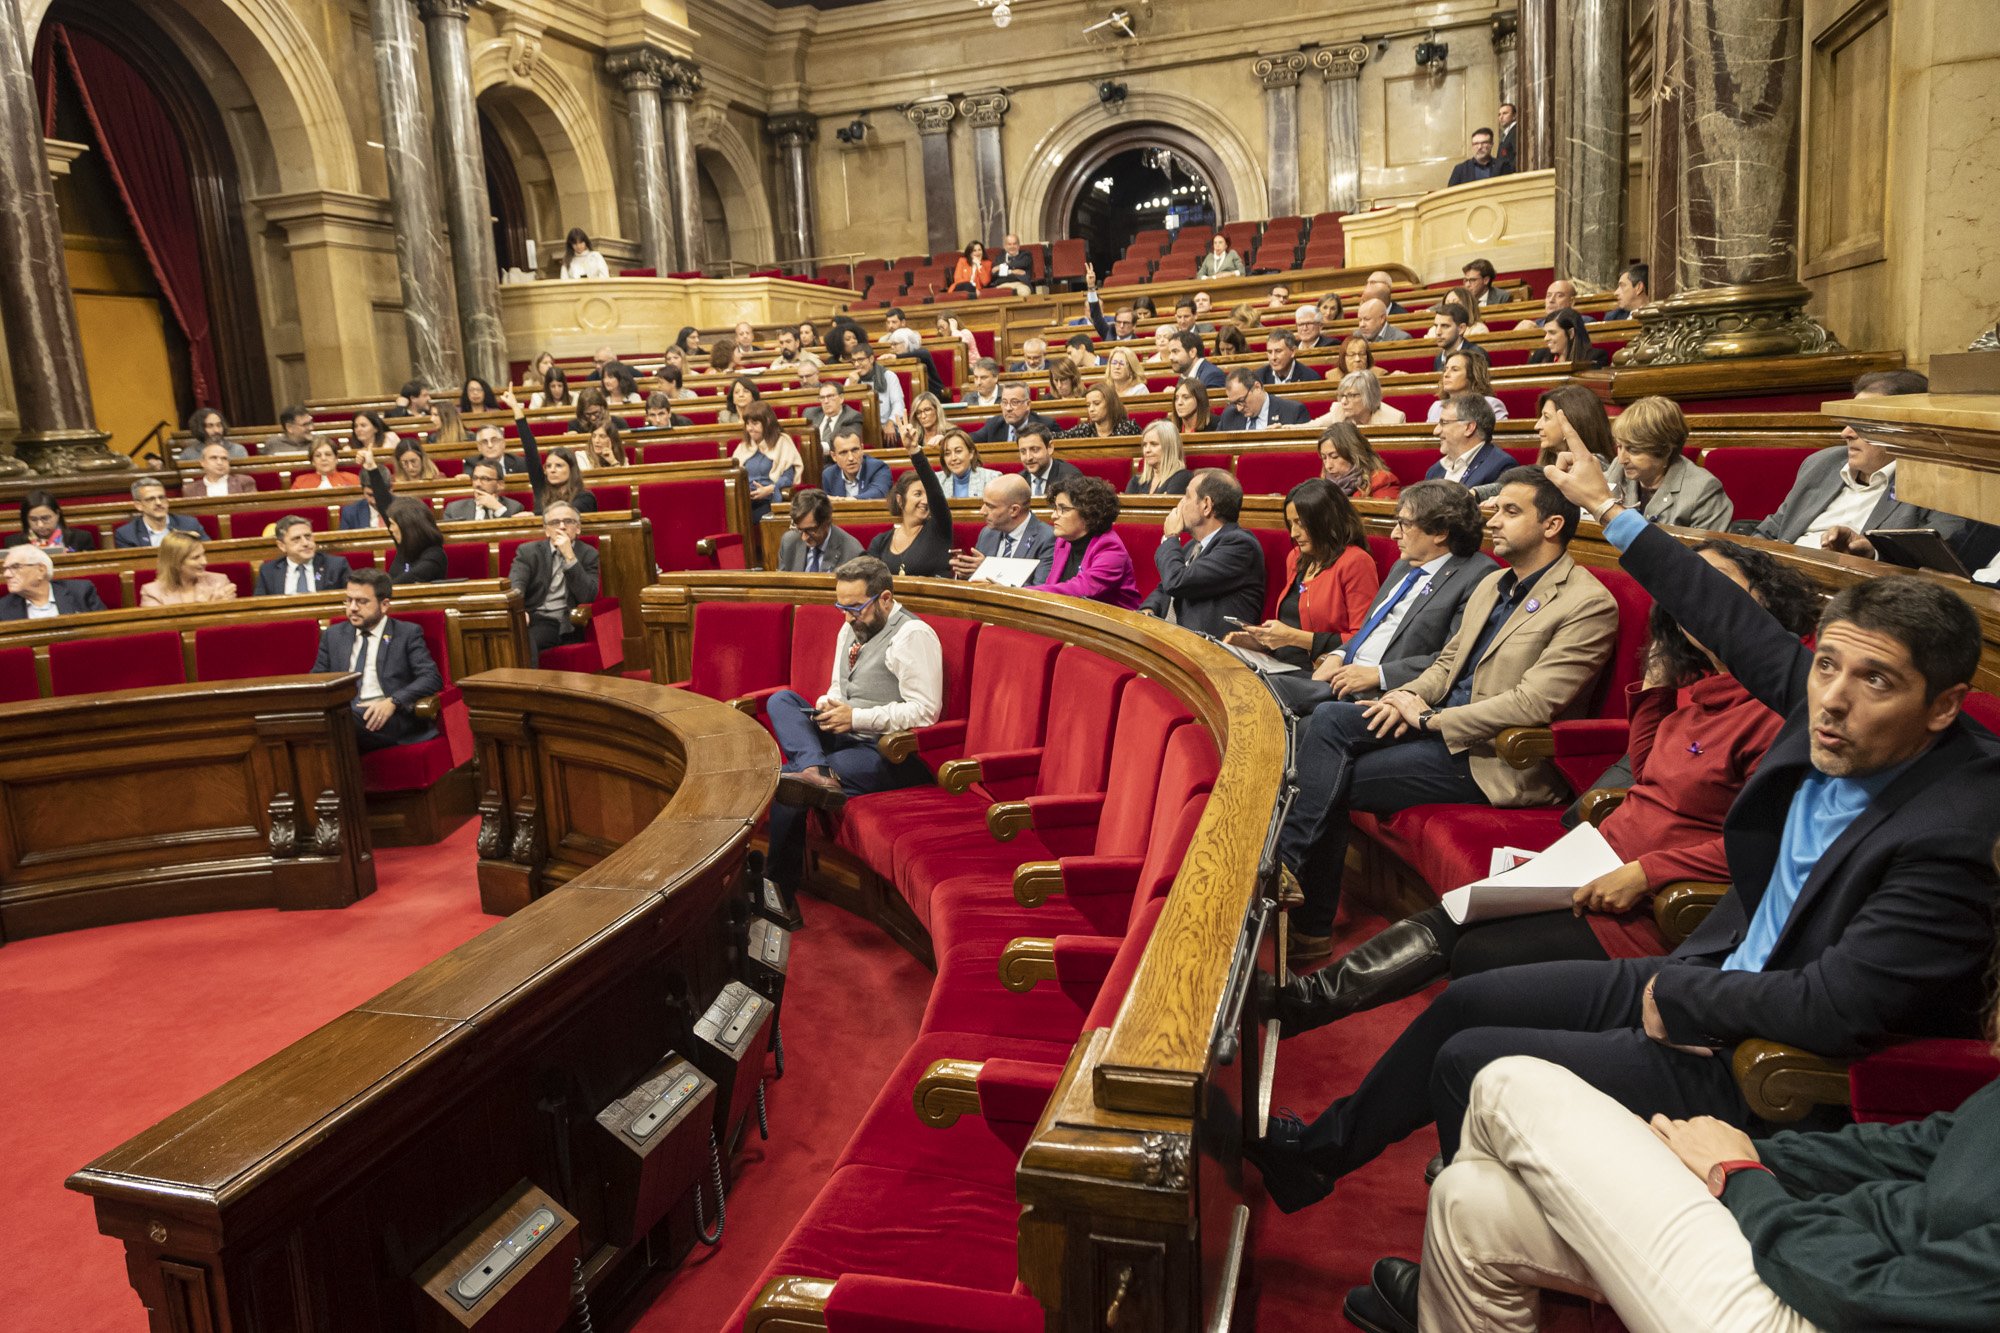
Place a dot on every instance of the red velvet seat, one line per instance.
(116, 662)
(1915, 1079)
(401, 768)
(740, 648)
(17, 675)
(252, 522)
(1275, 472)
(109, 590)
(1757, 479)
(683, 513)
(257, 648)
(470, 560)
(602, 648)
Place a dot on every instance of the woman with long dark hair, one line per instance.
(476, 395)
(1190, 410)
(1330, 578)
(972, 272)
(579, 260)
(556, 479)
(419, 545)
(1566, 342)
(920, 540)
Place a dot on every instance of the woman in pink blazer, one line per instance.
(1089, 560)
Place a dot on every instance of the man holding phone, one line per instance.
(888, 675)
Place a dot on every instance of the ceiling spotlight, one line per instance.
(1431, 54)
(1003, 14)
(854, 131)
(1111, 94)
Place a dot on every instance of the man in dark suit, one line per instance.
(154, 521)
(1482, 165)
(1862, 893)
(814, 545)
(1015, 267)
(1464, 432)
(1012, 531)
(360, 515)
(1281, 351)
(491, 442)
(34, 593)
(831, 416)
(1853, 485)
(1505, 152)
(1218, 575)
(1184, 355)
(555, 576)
(301, 566)
(1014, 414)
(485, 503)
(1040, 468)
(1449, 320)
(1253, 407)
(853, 475)
(395, 665)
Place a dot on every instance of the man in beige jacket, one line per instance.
(1534, 636)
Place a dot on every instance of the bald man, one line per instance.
(1560, 296)
(1380, 287)
(1371, 321)
(1012, 531)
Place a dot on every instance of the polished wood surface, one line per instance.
(306, 1194)
(189, 798)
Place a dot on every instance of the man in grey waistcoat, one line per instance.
(888, 675)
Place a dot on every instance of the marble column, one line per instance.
(1726, 186)
(421, 265)
(792, 134)
(1535, 139)
(1590, 144)
(639, 73)
(467, 207)
(1507, 57)
(984, 112)
(933, 122)
(1280, 76)
(678, 86)
(1340, 69)
(52, 392)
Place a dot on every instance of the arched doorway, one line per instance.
(153, 222)
(1135, 190)
(513, 225)
(716, 249)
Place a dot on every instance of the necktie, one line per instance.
(812, 559)
(1374, 622)
(360, 651)
(299, 579)
(853, 655)
(1007, 547)
(1010, 434)
(1036, 481)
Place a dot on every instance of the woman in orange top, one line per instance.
(326, 472)
(972, 270)
(1330, 578)
(1348, 461)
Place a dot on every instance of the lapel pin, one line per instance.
(1534, 605)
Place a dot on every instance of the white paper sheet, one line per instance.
(1259, 660)
(1546, 883)
(1009, 571)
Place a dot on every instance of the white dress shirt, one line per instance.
(44, 610)
(215, 485)
(1454, 469)
(1369, 651)
(916, 659)
(589, 264)
(1851, 505)
(1016, 535)
(367, 647)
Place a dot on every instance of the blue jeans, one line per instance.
(1342, 766)
(853, 759)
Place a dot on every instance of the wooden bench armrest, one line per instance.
(1679, 907)
(958, 775)
(896, 746)
(1036, 881)
(789, 1305)
(1597, 804)
(428, 707)
(1006, 820)
(581, 615)
(946, 1091)
(1524, 747)
(1783, 1083)
(1026, 961)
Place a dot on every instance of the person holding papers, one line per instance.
(1696, 737)
(1532, 639)
(1862, 885)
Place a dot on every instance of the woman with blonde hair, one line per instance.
(183, 576)
(769, 458)
(412, 463)
(1163, 468)
(1360, 402)
(1654, 475)
(1462, 297)
(450, 424)
(928, 414)
(1122, 369)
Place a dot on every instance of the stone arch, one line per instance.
(738, 173)
(295, 93)
(537, 95)
(1074, 146)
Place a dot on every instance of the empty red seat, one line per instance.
(255, 648)
(601, 649)
(469, 560)
(116, 662)
(1756, 478)
(684, 513)
(740, 648)
(246, 523)
(17, 675)
(1275, 472)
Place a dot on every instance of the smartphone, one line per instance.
(1232, 620)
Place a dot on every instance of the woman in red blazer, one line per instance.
(973, 271)
(1330, 578)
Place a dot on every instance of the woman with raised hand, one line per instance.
(920, 541)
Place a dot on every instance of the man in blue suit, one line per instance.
(395, 665)
(1465, 434)
(1184, 352)
(301, 566)
(853, 475)
(150, 526)
(1253, 407)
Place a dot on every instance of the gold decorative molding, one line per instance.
(1280, 71)
(1340, 62)
(1725, 323)
(1025, 962)
(931, 117)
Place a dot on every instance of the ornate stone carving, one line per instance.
(54, 455)
(680, 80)
(492, 827)
(1166, 1159)
(1722, 323)
(793, 126)
(931, 117)
(1280, 71)
(444, 9)
(638, 70)
(1340, 62)
(984, 110)
(326, 824)
(523, 850)
(284, 835)
(524, 45)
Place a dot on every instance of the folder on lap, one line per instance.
(1543, 883)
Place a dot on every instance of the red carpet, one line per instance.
(103, 1032)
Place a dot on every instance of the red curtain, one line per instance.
(143, 153)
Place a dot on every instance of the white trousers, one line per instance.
(1556, 1185)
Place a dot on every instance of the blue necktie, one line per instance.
(1374, 622)
(1007, 547)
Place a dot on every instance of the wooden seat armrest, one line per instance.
(1005, 820)
(1783, 1083)
(1026, 961)
(958, 775)
(1679, 907)
(946, 1091)
(580, 615)
(1036, 881)
(789, 1305)
(709, 546)
(751, 705)
(428, 707)
(896, 746)
(1597, 804)
(1524, 747)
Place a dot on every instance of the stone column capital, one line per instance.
(639, 69)
(1340, 62)
(680, 80)
(984, 110)
(931, 117)
(1280, 71)
(445, 9)
(800, 127)
(1506, 32)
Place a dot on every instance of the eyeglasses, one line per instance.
(856, 612)
(562, 522)
(1400, 522)
(1062, 507)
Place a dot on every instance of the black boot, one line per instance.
(1397, 962)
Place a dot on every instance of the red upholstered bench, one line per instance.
(256, 648)
(116, 662)
(17, 676)
(1756, 478)
(690, 524)
(419, 793)
(603, 646)
(1275, 472)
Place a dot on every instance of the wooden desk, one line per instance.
(187, 798)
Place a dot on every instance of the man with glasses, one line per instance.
(34, 593)
(392, 659)
(555, 576)
(814, 545)
(1467, 454)
(888, 675)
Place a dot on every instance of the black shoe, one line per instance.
(1290, 1178)
(813, 787)
(1433, 1168)
(1388, 1304)
(1398, 962)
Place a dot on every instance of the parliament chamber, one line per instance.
(1324, 667)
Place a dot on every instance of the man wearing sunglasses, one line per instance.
(888, 675)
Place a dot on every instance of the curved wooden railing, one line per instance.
(309, 1192)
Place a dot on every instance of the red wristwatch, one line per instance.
(1719, 1174)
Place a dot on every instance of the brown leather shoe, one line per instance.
(1303, 948)
(814, 787)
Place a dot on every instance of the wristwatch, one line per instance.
(1424, 720)
(1719, 1174)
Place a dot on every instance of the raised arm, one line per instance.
(940, 520)
(531, 453)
